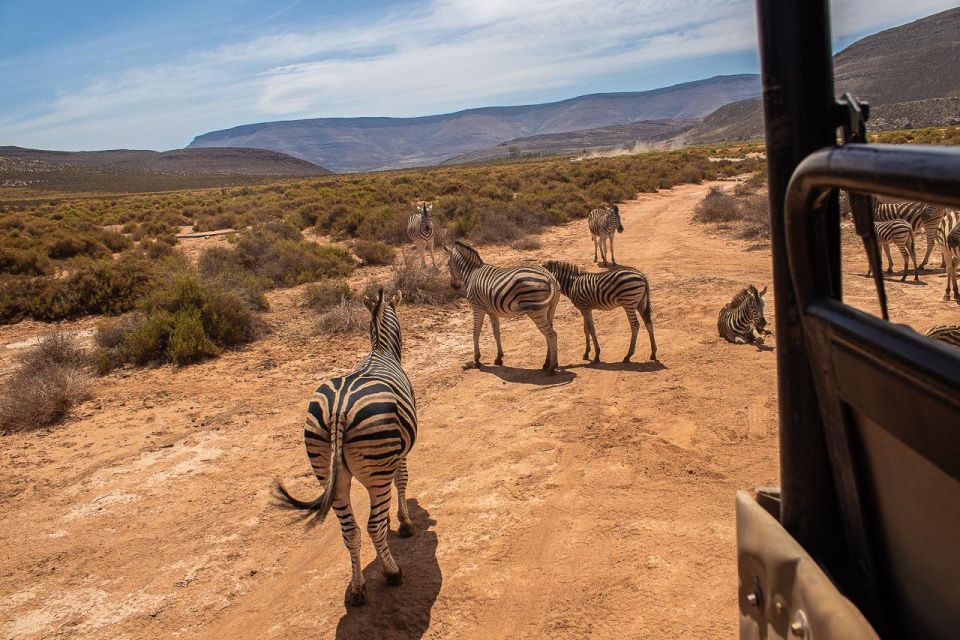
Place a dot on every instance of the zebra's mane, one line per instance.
(469, 252)
(562, 266)
(744, 295)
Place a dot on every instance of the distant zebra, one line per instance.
(949, 334)
(625, 287)
(604, 223)
(505, 293)
(921, 216)
(949, 236)
(363, 425)
(900, 233)
(420, 232)
(741, 320)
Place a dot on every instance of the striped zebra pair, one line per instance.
(919, 215)
(624, 287)
(505, 293)
(948, 234)
(363, 425)
(604, 224)
(420, 232)
(741, 320)
(900, 233)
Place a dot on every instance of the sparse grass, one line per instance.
(50, 379)
(749, 213)
(422, 285)
(527, 243)
(345, 317)
(322, 296)
(373, 251)
(716, 206)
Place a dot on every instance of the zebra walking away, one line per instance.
(949, 236)
(624, 287)
(505, 293)
(741, 320)
(363, 425)
(420, 232)
(949, 334)
(900, 233)
(604, 223)
(919, 215)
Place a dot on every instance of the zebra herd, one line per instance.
(899, 224)
(362, 425)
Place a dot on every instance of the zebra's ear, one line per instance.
(763, 291)
(395, 300)
(448, 250)
(369, 304)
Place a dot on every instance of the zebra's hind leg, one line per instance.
(906, 261)
(478, 315)
(634, 330)
(495, 325)
(886, 250)
(913, 254)
(406, 528)
(931, 232)
(613, 257)
(647, 316)
(377, 528)
(590, 331)
(356, 594)
(594, 247)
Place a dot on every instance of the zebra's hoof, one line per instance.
(498, 361)
(626, 359)
(596, 360)
(356, 598)
(406, 530)
(395, 579)
(586, 356)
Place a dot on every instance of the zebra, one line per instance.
(625, 287)
(604, 223)
(363, 425)
(949, 237)
(921, 216)
(420, 232)
(741, 320)
(900, 233)
(505, 293)
(949, 334)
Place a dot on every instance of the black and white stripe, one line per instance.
(420, 232)
(921, 217)
(949, 236)
(625, 287)
(948, 333)
(363, 425)
(900, 233)
(741, 320)
(505, 293)
(604, 224)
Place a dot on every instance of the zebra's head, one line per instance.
(384, 323)
(613, 216)
(756, 307)
(463, 260)
(564, 272)
(953, 237)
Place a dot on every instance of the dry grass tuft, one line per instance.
(716, 206)
(422, 285)
(345, 317)
(52, 377)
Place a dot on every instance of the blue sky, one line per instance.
(107, 74)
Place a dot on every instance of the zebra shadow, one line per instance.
(530, 376)
(894, 278)
(404, 611)
(641, 366)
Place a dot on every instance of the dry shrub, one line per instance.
(755, 213)
(751, 184)
(321, 296)
(422, 285)
(347, 316)
(373, 251)
(690, 173)
(716, 206)
(50, 379)
(527, 243)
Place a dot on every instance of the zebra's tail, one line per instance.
(321, 506)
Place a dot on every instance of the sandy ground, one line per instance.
(594, 504)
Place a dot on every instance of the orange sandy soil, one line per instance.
(594, 504)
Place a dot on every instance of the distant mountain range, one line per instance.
(363, 144)
(132, 170)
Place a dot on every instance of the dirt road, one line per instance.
(595, 504)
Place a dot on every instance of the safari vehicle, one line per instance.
(862, 538)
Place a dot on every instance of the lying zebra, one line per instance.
(363, 425)
(624, 287)
(505, 293)
(900, 233)
(741, 320)
(949, 334)
(604, 224)
(420, 232)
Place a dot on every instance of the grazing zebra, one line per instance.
(949, 237)
(949, 333)
(741, 320)
(363, 425)
(900, 233)
(921, 216)
(505, 293)
(604, 223)
(420, 232)
(625, 287)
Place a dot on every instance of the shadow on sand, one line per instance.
(535, 377)
(404, 611)
(620, 365)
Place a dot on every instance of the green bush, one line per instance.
(321, 296)
(27, 262)
(373, 251)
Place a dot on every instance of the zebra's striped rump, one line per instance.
(949, 334)
(363, 425)
(624, 287)
(504, 293)
(741, 320)
(900, 233)
(949, 235)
